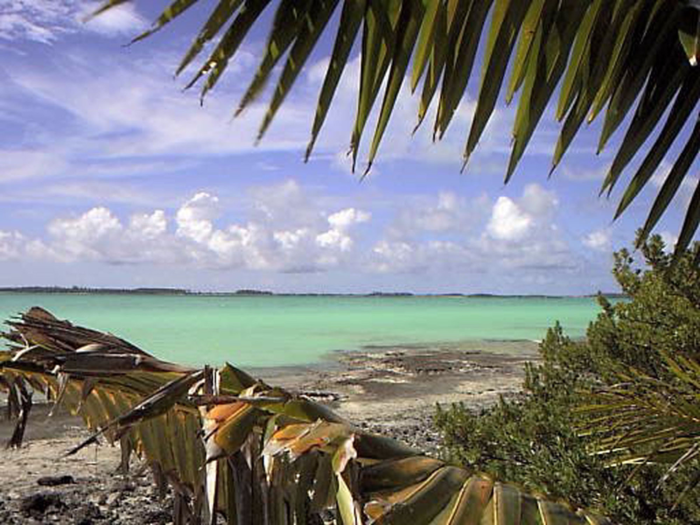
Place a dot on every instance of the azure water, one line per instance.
(293, 330)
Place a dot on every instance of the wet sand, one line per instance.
(389, 390)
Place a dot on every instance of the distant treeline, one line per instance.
(253, 292)
(86, 290)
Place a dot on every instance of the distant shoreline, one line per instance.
(75, 290)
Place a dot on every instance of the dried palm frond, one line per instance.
(233, 446)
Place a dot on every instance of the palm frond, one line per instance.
(632, 61)
(233, 446)
(645, 419)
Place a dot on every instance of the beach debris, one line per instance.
(88, 514)
(53, 481)
(40, 502)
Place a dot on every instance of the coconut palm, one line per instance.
(632, 61)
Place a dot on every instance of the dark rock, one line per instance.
(87, 514)
(52, 481)
(113, 499)
(159, 517)
(38, 503)
(125, 486)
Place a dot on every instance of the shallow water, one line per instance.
(280, 331)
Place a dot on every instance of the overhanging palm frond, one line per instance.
(645, 419)
(235, 447)
(633, 61)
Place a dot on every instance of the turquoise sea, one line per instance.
(271, 331)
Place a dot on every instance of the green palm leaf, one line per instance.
(645, 419)
(616, 58)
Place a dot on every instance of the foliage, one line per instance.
(233, 446)
(631, 60)
(573, 404)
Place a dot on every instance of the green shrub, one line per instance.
(533, 439)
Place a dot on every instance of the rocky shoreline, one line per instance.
(388, 391)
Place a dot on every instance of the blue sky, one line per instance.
(110, 175)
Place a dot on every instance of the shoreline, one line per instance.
(334, 360)
(392, 391)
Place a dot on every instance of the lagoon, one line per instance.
(274, 331)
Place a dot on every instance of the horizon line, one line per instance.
(158, 290)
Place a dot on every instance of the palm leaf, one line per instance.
(616, 57)
(222, 439)
(645, 419)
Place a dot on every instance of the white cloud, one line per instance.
(22, 164)
(530, 249)
(334, 239)
(348, 217)
(389, 257)
(86, 237)
(121, 20)
(150, 226)
(523, 234)
(11, 245)
(520, 233)
(599, 240)
(45, 21)
(422, 257)
(337, 237)
(444, 214)
(537, 201)
(263, 242)
(92, 225)
(515, 221)
(194, 218)
(286, 205)
(508, 221)
(340, 222)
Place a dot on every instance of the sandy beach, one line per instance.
(388, 390)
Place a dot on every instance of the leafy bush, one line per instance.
(535, 439)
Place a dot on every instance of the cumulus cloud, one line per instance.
(337, 237)
(508, 221)
(515, 221)
(389, 257)
(513, 236)
(346, 218)
(151, 226)
(86, 236)
(194, 218)
(518, 233)
(523, 233)
(195, 236)
(99, 235)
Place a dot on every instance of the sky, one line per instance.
(112, 176)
